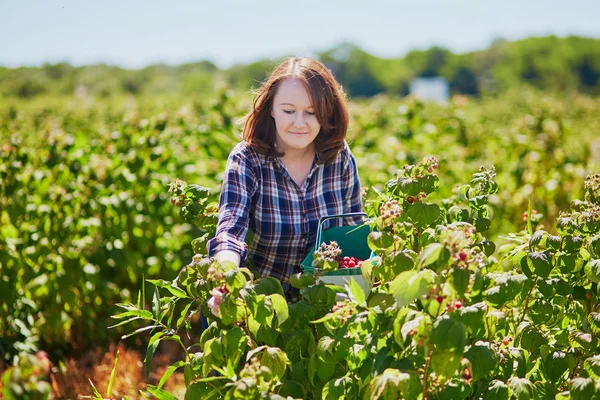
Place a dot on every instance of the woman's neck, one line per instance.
(297, 156)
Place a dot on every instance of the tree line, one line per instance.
(548, 63)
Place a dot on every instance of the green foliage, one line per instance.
(86, 218)
(454, 324)
(549, 63)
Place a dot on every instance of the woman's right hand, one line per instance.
(228, 255)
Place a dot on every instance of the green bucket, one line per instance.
(351, 239)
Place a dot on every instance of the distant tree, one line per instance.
(354, 69)
(243, 76)
(464, 81)
(24, 83)
(589, 74)
(57, 71)
(435, 60)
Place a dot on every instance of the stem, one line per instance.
(487, 324)
(427, 361)
(428, 358)
(574, 373)
(527, 303)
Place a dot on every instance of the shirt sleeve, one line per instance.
(352, 189)
(235, 201)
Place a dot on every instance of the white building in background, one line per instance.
(430, 89)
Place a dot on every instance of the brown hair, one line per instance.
(327, 98)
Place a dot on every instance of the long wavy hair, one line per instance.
(327, 97)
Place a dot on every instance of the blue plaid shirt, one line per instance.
(259, 194)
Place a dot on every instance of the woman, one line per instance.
(292, 168)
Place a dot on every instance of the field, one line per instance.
(485, 282)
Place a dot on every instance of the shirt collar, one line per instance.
(270, 159)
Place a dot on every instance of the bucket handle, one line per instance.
(323, 219)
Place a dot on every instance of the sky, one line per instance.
(137, 33)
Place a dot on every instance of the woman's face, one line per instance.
(295, 119)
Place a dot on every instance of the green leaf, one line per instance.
(264, 310)
(156, 304)
(531, 339)
(522, 388)
(205, 390)
(474, 318)
(592, 365)
(482, 224)
(234, 340)
(378, 241)
(338, 388)
(459, 278)
(424, 215)
(554, 365)
(94, 389)
(410, 285)
(169, 286)
(280, 306)
(540, 263)
(496, 296)
(275, 359)
(320, 296)
(183, 315)
(356, 293)
(111, 381)
(445, 362)
(448, 334)
(592, 270)
(394, 384)
(325, 347)
(429, 255)
(484, 360)
(455, 389)
(582, 388)
(234, 280)
(496, 391)
(152, 345)
(324, 369)
(123, 322)
(139, 330)
(132, 311)
(160, 394)
(580, 340)
(291, 388)
(381, 300)
(268, 285)
(228, 310)
(544, 390)
(169, 372)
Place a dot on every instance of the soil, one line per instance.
(71, 378)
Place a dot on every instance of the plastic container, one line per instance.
(352, 240)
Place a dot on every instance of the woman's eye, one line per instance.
(310, 113)
(288, 111)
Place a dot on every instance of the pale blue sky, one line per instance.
(135, 33)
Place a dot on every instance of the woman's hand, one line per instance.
(228, 255)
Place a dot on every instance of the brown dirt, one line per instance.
(71, 379)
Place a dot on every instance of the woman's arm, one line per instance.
(352, 188)
(235, 202)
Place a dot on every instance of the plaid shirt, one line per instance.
(258, 193)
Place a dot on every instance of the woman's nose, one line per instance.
(299, 120)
